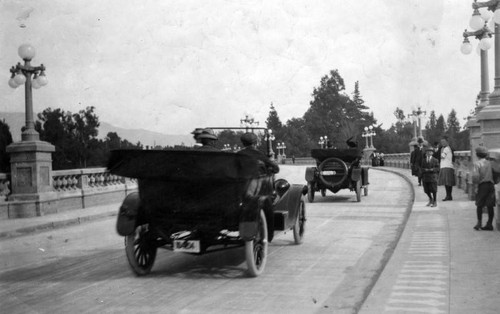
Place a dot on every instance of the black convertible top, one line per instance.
(347, 155)
(182, 165)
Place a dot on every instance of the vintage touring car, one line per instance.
(336, 169)
(203, 201)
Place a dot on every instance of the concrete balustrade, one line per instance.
(73, 189)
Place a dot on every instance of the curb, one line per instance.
(57, 224)
(359, 296)
(390, 249)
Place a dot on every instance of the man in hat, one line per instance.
(482, 175)
(207, 138)
(196, 133)
(249, 141)
(430, 170)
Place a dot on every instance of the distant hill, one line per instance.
(16, 121)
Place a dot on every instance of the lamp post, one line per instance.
(269, 139)
(369, 133)
(417, 116)
(226, 147)
(489, 116)
(322, 141)
(248, 122)
(21, 74)
(281, 155)
(30, 159)
(484, 36)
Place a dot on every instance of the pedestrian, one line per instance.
(293, 159)
(447, 170)
(381, 159)
(482, 175)
(430, 171)
(416, 161)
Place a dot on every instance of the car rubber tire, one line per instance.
(300, 223)
(140, 251)
(358, 191)
(256, 249)
(310, 192)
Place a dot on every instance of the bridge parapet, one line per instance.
(73, 189)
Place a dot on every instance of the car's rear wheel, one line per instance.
(310, 192)
(256, 249)
(140, 250)
(358, 191)
(300, 223)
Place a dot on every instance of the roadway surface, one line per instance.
(83, 269)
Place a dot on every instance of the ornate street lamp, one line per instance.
(248, 122)
(279, 147)
(226, 147)
(21, 74)
(369, 133)
(269, 139)
(323, 141)
(417, 116)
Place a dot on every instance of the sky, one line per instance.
(171, 66)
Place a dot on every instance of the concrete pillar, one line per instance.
(31, 171)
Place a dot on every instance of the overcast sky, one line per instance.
(171, 66)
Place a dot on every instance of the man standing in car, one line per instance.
(249, 141)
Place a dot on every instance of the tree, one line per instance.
(273, 122)
(440, 126)
(5, 140)
(86, 129)
(73, 135)
(331, 110)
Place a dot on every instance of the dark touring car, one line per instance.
(336, 169)
(203, 201)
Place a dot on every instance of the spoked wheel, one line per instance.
(141, 251)
(323, 192)
(256, 249)
(358, 191)
(310, 192)
(300, 223)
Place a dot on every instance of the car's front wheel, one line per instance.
(310, 192)
(300, 223)
(256, 249)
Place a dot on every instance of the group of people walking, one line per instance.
(433, 166)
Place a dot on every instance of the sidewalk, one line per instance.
(22, 226)
(441, 264)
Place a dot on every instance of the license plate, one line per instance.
(188, 246)
(328, 173)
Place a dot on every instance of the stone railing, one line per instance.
(463, 168)
(72, 189)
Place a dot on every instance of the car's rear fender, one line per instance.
(127, 214)
(249, 217)
(311, 174)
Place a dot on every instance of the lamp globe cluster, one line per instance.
(20, 73)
